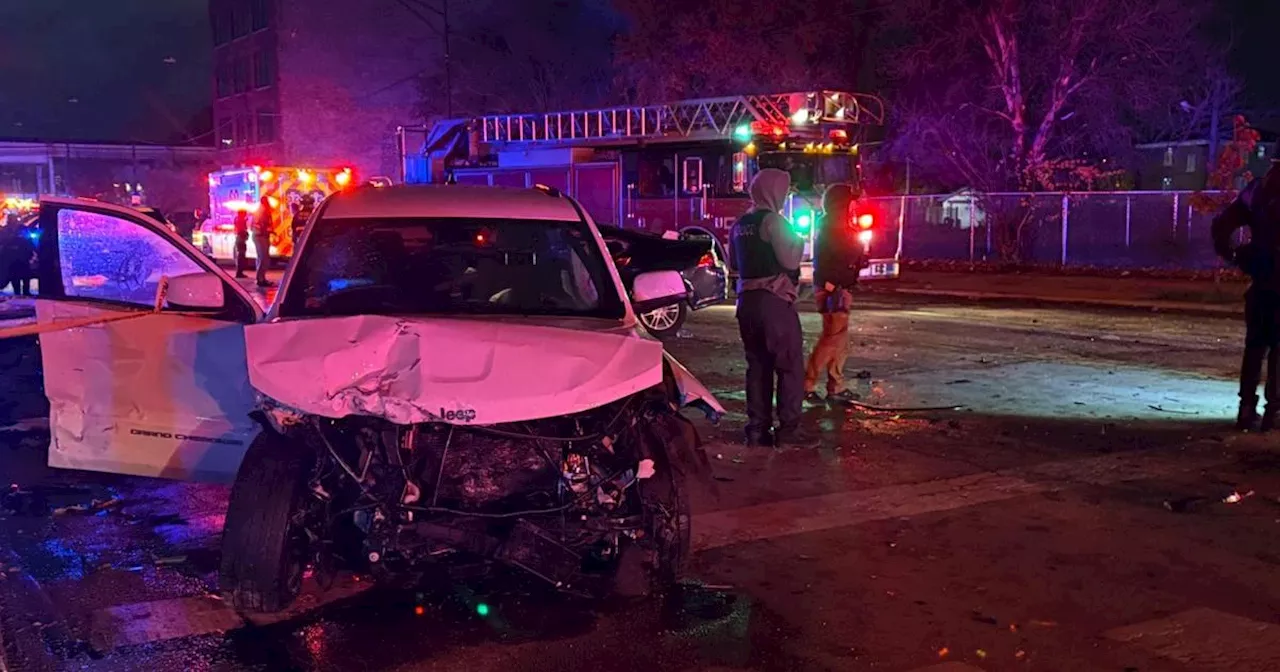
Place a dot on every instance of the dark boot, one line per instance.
(1272, 391)
(1250, 376)
(842, 398)
(1268, 419)
(759, 438)
(1247, 416)
(794, 437)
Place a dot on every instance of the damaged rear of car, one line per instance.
(455, 375)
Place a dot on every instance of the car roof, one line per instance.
(449, 201)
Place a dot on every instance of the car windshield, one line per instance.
(451, 266)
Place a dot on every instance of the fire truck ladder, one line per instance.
(698, 119)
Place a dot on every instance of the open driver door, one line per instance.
(135, 385)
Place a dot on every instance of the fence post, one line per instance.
(972, 233)
(987, 226)
(1128, 220)
(902, 226)
(1066, 215)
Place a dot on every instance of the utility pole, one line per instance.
(416, 7)
(448, 65)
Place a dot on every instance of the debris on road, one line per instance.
(983, 618)
(904, 409)
(75, 508)
(1157, 407)
(169, 560)
(1186, 504)
(57, 500)
(1236, 497)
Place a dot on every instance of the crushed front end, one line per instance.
(573, 500)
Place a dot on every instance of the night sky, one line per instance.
(109, 57)
(139, 70)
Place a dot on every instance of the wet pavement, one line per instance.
(1083, 507)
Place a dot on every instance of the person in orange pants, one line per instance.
(838, 256)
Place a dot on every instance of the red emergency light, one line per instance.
(765, 128)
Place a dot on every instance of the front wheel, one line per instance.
(264, 543)
(665, 322)
(655, 561)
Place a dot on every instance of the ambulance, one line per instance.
(242, 188)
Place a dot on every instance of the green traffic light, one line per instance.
(482, 609)
(742, 132)
(804, 221)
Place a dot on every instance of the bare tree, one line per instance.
(531, 56)
(1040, 80)
(675, 49)
(1033, 94)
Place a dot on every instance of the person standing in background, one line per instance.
(767, 255)
(837, 259)
(1258, 209)
(241, 248)
(263, 225)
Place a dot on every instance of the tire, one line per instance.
(264, 554)
(665, 323)
(657, 563)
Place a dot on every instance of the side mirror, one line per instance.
(657, 289)
(196, 291)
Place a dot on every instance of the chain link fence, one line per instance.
(1137, 229)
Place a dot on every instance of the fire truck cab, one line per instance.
(242, 188)
(673, 167)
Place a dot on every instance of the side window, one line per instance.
(113, 259)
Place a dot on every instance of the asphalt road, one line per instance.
(1069, 516)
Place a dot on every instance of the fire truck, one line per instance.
(242, 188)
(681, 167)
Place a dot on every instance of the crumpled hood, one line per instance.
(769, 189)
(410, 370)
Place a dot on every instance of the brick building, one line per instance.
(1184, 166)
(322, 82)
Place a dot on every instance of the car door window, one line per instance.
(111, 258)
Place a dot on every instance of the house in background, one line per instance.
(1184, 166)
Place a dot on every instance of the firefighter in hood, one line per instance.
(838, 257)
(306, 206)
(767, 254)
(1258, 209)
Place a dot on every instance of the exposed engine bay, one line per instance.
(571, 499)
